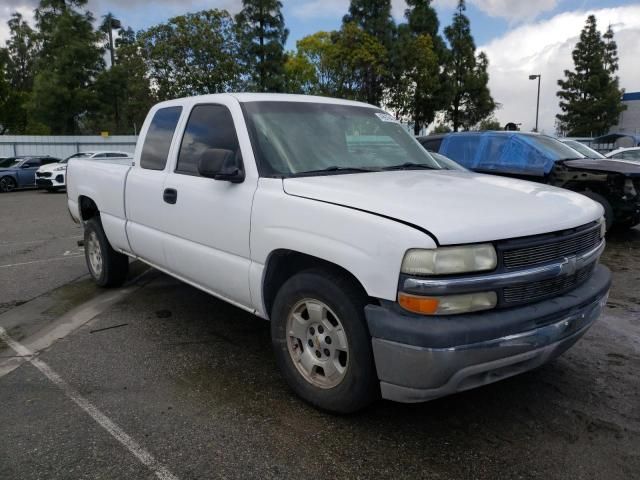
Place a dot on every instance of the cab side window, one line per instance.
(32, 163)
(158, 139)
(208, 127)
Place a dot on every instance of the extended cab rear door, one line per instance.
(144, 190)
(207, 226)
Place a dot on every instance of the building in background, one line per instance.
(629, 121)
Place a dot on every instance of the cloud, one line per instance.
(25, 7)
(545, 47)
(512, 10)
(310, 9)
(515, 11)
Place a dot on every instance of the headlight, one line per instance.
(448, 304)
(450, 260)
(59, 169)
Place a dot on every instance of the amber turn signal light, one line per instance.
(416, 304)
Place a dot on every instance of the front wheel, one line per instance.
(322, 343)
(107, 267)
(7, 184)
(606, 206)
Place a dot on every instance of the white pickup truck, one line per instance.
(383, 270)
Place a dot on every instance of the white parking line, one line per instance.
(64, 257)
(44, 240)
(105, 422)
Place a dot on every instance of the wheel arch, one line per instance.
(283, 263)
(88, 208)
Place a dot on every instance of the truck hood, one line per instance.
(456, 207)
(607, 165)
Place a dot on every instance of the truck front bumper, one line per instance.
(420, 358)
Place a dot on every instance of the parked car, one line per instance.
(544, 159)
(632, 154)
(20, 172)
(585, 150)
(382, 272)
(53, 177)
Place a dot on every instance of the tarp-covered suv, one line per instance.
(540, 158)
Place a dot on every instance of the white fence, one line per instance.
(63, 146)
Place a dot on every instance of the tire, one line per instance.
(52, 190)
(107, 267)
(7, 184)
(608, 209)
(342, 376)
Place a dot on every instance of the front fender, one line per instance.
(368, 246)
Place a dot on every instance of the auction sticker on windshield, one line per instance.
(385, 117)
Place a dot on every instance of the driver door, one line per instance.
(27, 172)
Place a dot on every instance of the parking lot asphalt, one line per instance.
(159, 380)
(38, 246)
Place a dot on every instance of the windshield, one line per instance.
(446, 162)
(77, 155)
(555, 149)
(298, 138)
(583, 149)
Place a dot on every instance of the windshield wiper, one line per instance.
(409, 166)
(335, 168)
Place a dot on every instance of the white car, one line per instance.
(382, 271)
(52, 177)
(631, 154)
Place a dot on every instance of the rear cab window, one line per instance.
(158, 139)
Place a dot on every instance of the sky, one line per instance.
(520, 37)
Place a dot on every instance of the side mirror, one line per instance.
(220, 164)
(26, 166)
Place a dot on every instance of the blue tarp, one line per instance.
(504, 152)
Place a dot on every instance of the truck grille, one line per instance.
(530, 292)
(43, 174)
(555, 248)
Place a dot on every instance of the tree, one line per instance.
(123, 92)
(262, 34)
(18, 70)
(22, 49)
(192, 54)
(68, 63)
(489, 123)
(374, 18)
(415, 80)
(342, 61)
(299, 74)
(318, 51)
(441, 128)
(422, 19)
(590, 97)
(466, 75)
(415, 85)
(355, 58)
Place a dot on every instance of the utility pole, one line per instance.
(533, 77)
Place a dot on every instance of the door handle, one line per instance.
(170, 195)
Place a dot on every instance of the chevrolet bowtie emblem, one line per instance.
(568, 266)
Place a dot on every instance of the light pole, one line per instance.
(533, 77)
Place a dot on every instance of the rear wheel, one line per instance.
(608, 209)
(322, 343)
(107, 267)
(7, 184)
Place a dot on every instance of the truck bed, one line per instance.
(103, 181)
